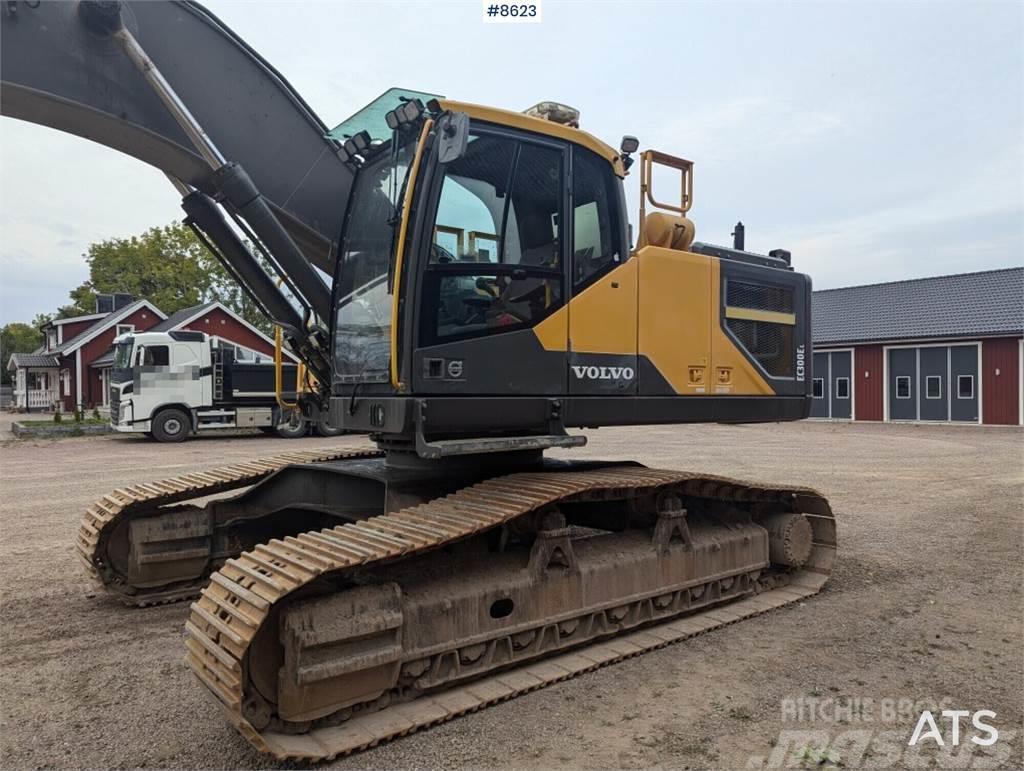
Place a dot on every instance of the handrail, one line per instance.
(647, 160)
(410, 189)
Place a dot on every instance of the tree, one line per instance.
(161, 265)
(17, 338)
(226, 290)
(167, 266)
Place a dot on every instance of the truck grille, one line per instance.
(115, 406)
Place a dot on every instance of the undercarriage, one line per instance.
(352, 596)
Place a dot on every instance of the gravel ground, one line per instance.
(925, 606)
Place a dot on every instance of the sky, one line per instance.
(875, 141)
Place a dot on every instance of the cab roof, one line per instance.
(539, 126)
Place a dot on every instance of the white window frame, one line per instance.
(814, 387)
(958, 379)
(928, 379)
(65, 382)
(909, 394)
(843, 380)
(123, 329)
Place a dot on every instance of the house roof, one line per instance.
(19, 360)
(73, 319)
(983, 304)
(179, 319)
(106, 360)
(76, 342)
(183, 316)
(187, 315)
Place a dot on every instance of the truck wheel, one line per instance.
(171, 426)
(323, 428)
(292, 426)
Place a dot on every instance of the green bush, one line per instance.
(95, 413)
(78, 414)
(57, 417)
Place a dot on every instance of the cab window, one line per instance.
(596, 243)
(495, 258)
(156, 356)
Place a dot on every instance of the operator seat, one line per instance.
(668, 231)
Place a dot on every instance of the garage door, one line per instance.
(964, 396)
(933, 383)
(832, 385)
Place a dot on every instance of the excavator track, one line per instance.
(141, 500)
(265, 590)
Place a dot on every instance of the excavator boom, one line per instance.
(60, 68)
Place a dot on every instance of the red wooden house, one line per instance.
(72, 369)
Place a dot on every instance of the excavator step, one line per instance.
(446, 448)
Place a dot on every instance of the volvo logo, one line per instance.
(602, 373)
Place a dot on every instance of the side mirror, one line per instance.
(452, 136)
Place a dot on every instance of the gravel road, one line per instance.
(925, 606)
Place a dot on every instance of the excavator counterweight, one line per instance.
(486, 298)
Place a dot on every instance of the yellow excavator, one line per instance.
(463, 286)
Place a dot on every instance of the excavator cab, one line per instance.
(490, 298)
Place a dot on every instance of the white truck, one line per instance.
(170, 385)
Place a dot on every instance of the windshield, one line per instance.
(123, 354)
(362, 333)
(371, 117)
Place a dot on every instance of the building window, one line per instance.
(842, 388)
(123, 329)
(933, 387)
(51, 339)
(965, 386)
(903, 387)
(65, 382)
(818, 387)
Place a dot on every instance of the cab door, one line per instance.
(603, 310)
(493, 285)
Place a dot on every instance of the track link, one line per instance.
(242, 594)
(138, 500)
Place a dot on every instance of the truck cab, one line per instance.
(154, 371)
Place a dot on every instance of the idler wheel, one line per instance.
(790, 539)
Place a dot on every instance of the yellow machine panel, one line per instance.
(603, 318)
(679, 328)
(675, 307)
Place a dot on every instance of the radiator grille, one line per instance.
(742, 294)
(770, 344)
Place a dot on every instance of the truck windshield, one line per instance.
(121, 372)
(123, 354)
(362, 332)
